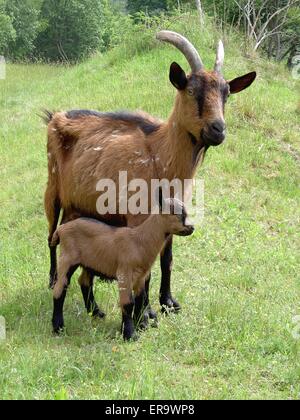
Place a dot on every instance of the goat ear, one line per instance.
(178, 77)
(241, 83)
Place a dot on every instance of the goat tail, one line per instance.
(47, 116)
(64, 129)
(55, 239)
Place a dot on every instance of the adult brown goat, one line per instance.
(87, 146)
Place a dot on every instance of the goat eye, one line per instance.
(190, 92)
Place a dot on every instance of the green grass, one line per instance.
(237, 278)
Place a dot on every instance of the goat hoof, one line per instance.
(143, 323)
(169, 305)
(58, 325)
(133, 337)
(98, 314)
(151, 314)
(129, 331)
(58, 330)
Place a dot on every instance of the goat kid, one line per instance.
(125, 254)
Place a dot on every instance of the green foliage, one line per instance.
(285, 40)
(115, 25)
(135, 6)
(155, 6)
(73, 29)
(25, 18)
(7, 31)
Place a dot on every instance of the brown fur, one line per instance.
(84, 150)
(126, 254)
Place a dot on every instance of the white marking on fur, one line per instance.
(143, 161)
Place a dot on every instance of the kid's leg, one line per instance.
(127, 307)
(86, 281)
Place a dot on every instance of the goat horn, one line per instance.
(220, 57)
(187, 49)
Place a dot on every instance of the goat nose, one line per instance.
(191, 229)
(219, 127)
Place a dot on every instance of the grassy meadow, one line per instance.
(237, 277)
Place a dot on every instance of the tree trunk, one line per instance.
(200, 10)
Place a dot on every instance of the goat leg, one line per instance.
(52, 207)
(141, 318)
(148, 310)
(86, 281)
(58, 317)
(65, 273)
(168, 303)
(127, 305)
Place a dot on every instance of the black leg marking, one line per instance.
(53, 258)
(58, 312)
(141, 318)
(128, 329)
(89, 299)
(53, 268)
(149, 311)
(58, 316)
(166, 300)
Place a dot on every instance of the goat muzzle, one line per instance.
(214, 134)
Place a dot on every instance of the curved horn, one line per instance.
(220, 57)
(187, 49)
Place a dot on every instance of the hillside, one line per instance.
(237, 278)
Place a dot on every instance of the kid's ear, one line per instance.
(178, 77)
(242, 83)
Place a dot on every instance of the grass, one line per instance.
(237, 278)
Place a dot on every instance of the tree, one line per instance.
(72, 29)
(7, 31)
(272, 25)
(24, 15)
(154, 6)
(200, 11)
(135, 6)
(266, 20)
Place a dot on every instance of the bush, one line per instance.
(154, 6)
(25, 18)
(7, 31)
(116, 25)
(73, 29)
